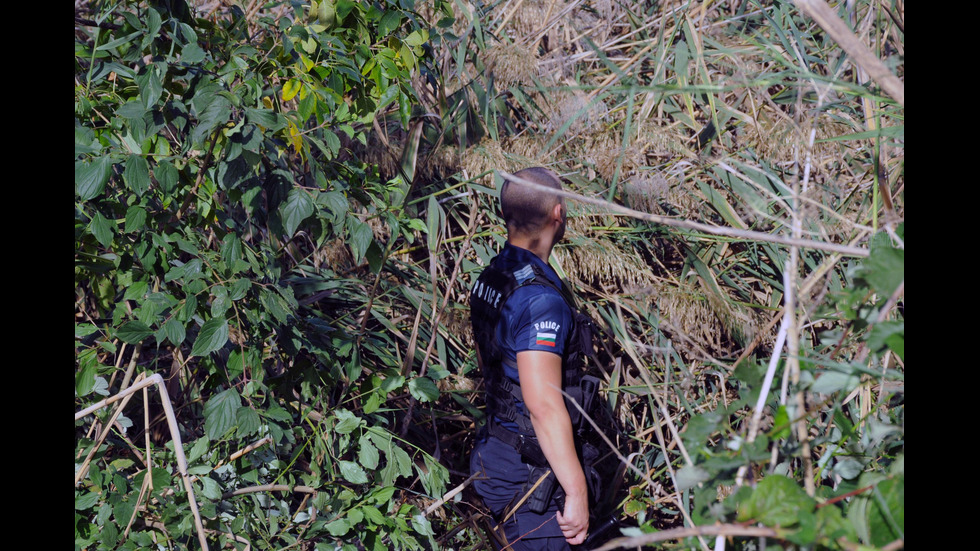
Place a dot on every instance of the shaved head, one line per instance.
(527, 210)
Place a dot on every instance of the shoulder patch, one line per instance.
(524, 274)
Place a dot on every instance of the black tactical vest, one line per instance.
(487, 298)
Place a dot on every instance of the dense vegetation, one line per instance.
(279, 209)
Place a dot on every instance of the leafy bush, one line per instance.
(280, 210)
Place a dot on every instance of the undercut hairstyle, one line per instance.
(526, 210)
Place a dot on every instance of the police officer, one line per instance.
(524, 323)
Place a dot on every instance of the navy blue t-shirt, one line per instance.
(535, 317)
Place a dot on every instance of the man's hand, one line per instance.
(574, 523)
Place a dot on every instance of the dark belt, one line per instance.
(524, 444)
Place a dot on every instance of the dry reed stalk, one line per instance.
(820, 12)
(83, 469)
(510, 512)
(147, 481)
(658, 399)
(449, 495)
(132, 366)
(157, 380)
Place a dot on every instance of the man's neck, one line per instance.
(538, 245)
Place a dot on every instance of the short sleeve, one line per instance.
(542, 321)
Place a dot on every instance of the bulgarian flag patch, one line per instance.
(545, 339)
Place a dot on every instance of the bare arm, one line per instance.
(541, 377)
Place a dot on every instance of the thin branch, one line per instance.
(200, 178)
(725, 231)
(690, 531)
(269, 488)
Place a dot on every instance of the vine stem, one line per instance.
(168, 409)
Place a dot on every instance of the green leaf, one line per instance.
(213, 335)
(211, 489)
(690, 476)
(174, 331)
(403, 461)
(389, 22)
(91, 177)
(84, 330)
(832, 381)
(417, 38)
(167, 175)
(423, 389)
(133, 332)
(135, 218)
(332, 141)
(382, 496)
(192, 53)
(888, 333)
(831, 525)
(137, 174)
(132, 109)
(85, 379)
(435, 218)
(886, 514)
(886, 132)
(776, 501)
(102, 229)
(297, 207)
(338, 527)
(352, 472)
(780, 424)
(200, 446)
(150, 83)
(360, 237)
(373, 515)
(884, 269)
(248, 421)
(220, 413)
(367, 454)
(86, 501)
(136, 291)
(266, 118)
(214, 115)
(421, 525)
(347, 422)
(848, 468)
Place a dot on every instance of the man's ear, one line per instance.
(556, 212)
